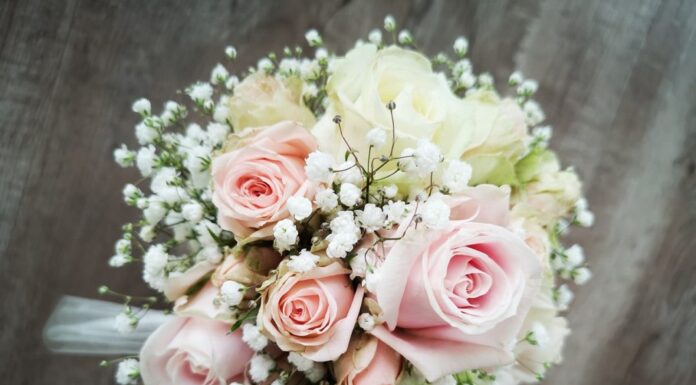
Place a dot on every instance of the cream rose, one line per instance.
(482, 128)
(252, 182)
(548, 192)
(193, 351)
(312, 313)
(455, 299)
(549, 331)
(362, 84)
(368, 361)
(262, 100)
(247, 265)
(178, 283)
(247, 268)
(498, 135)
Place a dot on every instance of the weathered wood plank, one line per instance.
(618, 82)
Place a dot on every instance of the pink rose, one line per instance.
(484, 203)
(455, 299)
(193, 351)
(253, 181)
(368, 361)
(312, 313)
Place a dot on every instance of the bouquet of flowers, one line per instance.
(379, 217)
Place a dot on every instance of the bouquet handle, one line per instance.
(86, 327)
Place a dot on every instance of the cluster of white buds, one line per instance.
(299, 207)
(375, 37)
(541, 135)
(231, 293)
(304, 262)
(285, 235)
(389, 23)
(436, 213)
(313, 38)
(422, 160)
(260, 367)
(533, 113)
(314, 371)
(177, 160)
(570, 264)
(252, 336)
(327, 200)
(563, 296)
(405, 37)
(461, 46)
(583, 216)
(128, 372)
(525, 87)
(125, 322)
(123, 249)
(155, 261)
(345, 233)
(538, 335)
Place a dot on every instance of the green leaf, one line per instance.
(252, 313)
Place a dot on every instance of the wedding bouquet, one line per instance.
(373, 218)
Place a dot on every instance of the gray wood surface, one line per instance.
(618, 82)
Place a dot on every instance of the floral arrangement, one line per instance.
(374, 218)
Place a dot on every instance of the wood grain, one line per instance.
(618, 83)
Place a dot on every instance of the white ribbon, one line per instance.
(86, 326)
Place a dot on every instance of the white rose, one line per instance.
(480, 126)
(365, 81)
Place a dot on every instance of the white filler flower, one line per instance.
(457, 175)
(376, 137)
(426, 156)
(461, 46)
(318, 166)
(231, 293)
(327, 200)
(285, 234)
(299, 207)
(142, 106)
(260, 367)
(371, 218)
(349, 195)
(252, 336)
(128, 372)
(301, 363)
(303, 262)
(435, 214)
(576, 255)
(125, 323)
(192, 212)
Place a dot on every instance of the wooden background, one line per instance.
(618, 82)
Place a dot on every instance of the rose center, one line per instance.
(299, 312)
(467, 281)
(255, 187)
(302, 308)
